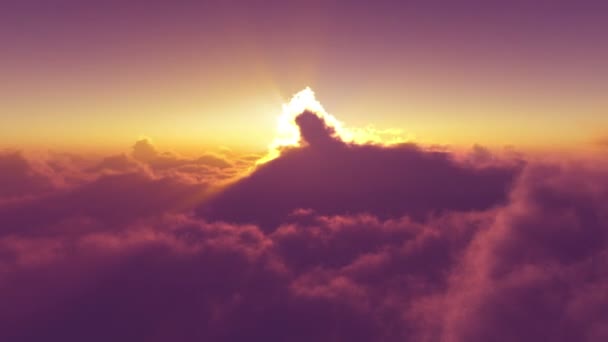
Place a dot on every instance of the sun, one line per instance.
(288, 133)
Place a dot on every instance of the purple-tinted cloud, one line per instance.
(113, 200)
(333, 177)
(18, 177)
(529, 270)
(118, 255)
(538, 272)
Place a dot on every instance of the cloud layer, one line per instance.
(330, 241)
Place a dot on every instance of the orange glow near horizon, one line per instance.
(217, 74)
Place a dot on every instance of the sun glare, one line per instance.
(288, 133)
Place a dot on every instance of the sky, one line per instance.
(98, 75)
(303, 171)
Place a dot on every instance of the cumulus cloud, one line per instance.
(333, 178)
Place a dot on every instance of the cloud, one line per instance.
(47, 192)
(333, 178)
(19, 177)
(156, 281)
(528, 275)
(112, 200)
(206, 168)
(145, 152)
(531, 269)
(330, 241)
(117, 163)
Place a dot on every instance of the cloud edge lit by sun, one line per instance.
(288, 133)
